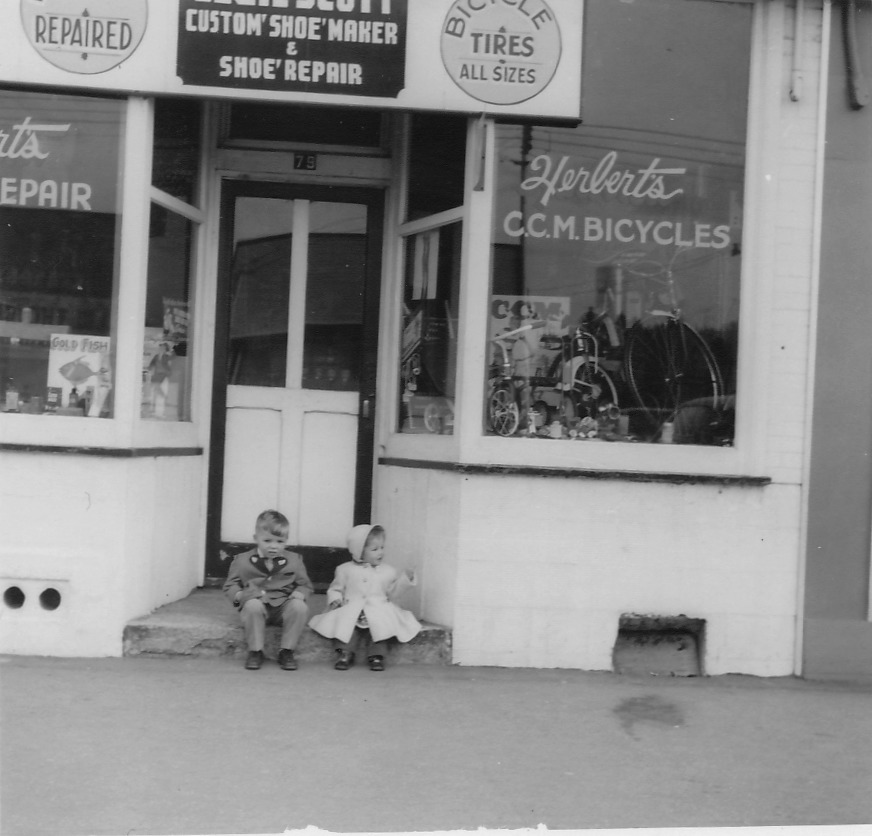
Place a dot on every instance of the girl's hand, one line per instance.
(410, 574)
(335, 605)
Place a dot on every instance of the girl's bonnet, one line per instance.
(357, 540)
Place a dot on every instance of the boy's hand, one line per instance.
(335, 605)
(410, 574)
(251, 590)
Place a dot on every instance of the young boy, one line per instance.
(269, 585)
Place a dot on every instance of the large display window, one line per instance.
(59, 222)
(616, 247)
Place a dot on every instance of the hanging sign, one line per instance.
(501, 52)
(84, 36)
(346, 46)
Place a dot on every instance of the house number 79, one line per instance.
(306, 162)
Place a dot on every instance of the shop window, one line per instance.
(166, 363)
(176, 155)
(166, 354)
(437, 150)
(59, 222)
(616, 255)
(431, 293)
(432, 239)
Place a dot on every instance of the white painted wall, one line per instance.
(116, 537)
(420, 512)
(544, 567)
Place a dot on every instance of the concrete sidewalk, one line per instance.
(199, 745)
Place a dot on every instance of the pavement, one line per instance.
(194, 745)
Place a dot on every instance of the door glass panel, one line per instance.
(259, 290)
(334, 296)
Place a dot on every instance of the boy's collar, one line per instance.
(258, 556)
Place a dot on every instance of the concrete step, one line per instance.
(205, 624)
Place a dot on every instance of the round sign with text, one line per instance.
(84, 36)
(501, 51)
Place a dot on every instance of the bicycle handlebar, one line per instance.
(506, 334)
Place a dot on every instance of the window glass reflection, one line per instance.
(175, 163)
(437, 148)
(166, 353)
(334, 296)
(260, 283)
(429, 339)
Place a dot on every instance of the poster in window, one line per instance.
(79, 372)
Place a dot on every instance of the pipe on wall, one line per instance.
(858, 87)
(798, 40)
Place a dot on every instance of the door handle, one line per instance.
(366, 408)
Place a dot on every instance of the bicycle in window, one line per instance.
(667, 366)
(575, 389)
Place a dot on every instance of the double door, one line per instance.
(295, 362)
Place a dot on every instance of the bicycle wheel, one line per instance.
(503, 412)
(432, 418)
(592, 390)
(668, 364)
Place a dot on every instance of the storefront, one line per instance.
(505, 276)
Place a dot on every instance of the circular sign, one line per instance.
(501, 51)
(84, 36)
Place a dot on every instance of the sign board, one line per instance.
(502, 57)
(56, 156)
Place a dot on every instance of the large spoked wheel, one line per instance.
(668, 364)
(503, 412)
(592, 390)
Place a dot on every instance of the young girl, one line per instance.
(358, 602)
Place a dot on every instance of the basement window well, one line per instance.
(659, 645)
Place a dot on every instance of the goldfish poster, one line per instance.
(82, 363)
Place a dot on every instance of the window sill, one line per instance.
(105, 452)
(579, 473)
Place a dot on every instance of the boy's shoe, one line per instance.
(254, 660)
(376, 663)
(345, 661)
(287, 662)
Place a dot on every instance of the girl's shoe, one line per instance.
(376, 663)
(345, 661)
